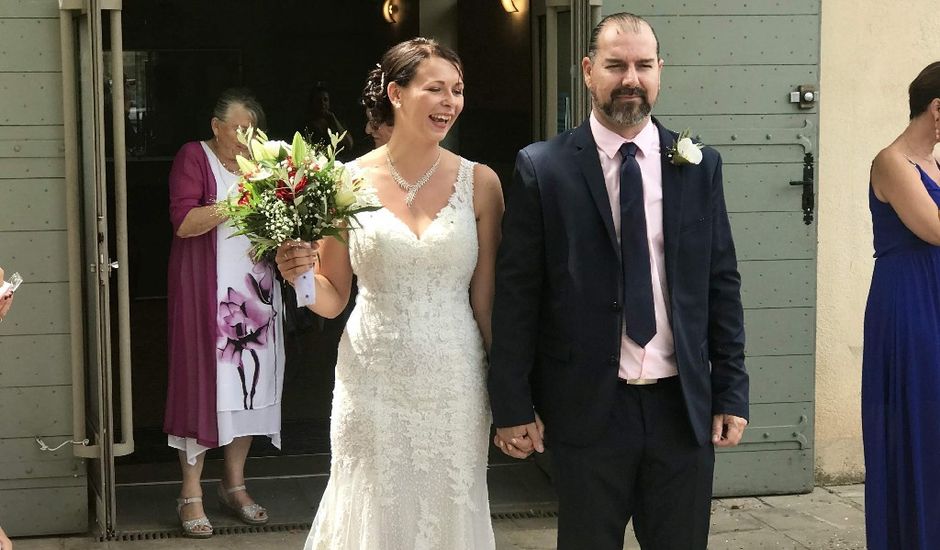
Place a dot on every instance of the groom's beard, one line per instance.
(625, 114)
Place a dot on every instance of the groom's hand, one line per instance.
(521, 441)
(727, 430)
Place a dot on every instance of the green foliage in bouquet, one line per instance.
(292, 191)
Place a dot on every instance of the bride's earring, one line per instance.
(936, 124)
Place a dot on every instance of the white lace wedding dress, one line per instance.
(410, 420)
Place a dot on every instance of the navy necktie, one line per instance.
(638, 312)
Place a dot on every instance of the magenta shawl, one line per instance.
(191, 303)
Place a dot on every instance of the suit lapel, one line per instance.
(590, 165)
(672, 199)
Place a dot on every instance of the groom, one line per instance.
(617, 315)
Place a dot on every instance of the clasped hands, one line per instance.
(521, 441)
(294, 258)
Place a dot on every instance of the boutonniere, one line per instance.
(684, 150)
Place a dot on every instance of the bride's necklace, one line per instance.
(411, 189)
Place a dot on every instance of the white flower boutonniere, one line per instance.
(684, 150)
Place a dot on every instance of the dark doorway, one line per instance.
(178, 56)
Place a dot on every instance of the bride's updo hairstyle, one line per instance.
(399, 65)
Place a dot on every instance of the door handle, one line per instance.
(71, 132)
(809, 199)
(73, 208)
(126, 445)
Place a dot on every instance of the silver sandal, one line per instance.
(189, 526)
(248, 513)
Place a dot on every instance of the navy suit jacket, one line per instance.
(557, 318)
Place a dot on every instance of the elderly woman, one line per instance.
(226, 352)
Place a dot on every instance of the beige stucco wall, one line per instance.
(869, 55)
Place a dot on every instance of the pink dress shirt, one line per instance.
(658, 358)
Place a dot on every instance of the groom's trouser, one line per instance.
(648, 467)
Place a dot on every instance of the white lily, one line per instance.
(345, 191)
(298, 148)
(246, 166)
(273, 148)
(242, 135)
(258, 152)
(261, 174)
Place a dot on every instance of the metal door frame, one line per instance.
(585, 14)
(90, 266)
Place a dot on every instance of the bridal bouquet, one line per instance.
(292, 191)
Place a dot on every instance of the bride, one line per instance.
(410, 419)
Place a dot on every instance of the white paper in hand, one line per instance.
(306, 289)
(15, 281)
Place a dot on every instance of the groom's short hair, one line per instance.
(625, 20)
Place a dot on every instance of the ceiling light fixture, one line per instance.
(390, 11)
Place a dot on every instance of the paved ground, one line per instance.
(829, 518)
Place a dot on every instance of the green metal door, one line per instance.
(731, 70)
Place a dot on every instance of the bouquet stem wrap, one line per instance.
(306, 289)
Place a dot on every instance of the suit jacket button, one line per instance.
(615, 306)
(612, 360)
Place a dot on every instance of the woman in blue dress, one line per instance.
(901, 365)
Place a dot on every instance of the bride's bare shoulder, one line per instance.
(373, 160)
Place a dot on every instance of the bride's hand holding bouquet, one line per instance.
(293, 194)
